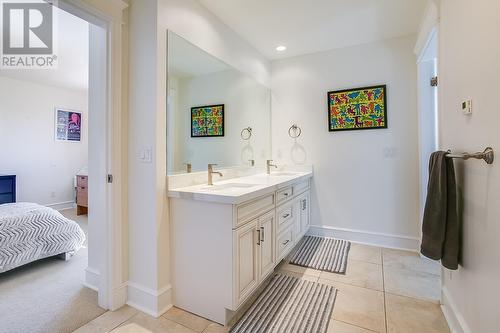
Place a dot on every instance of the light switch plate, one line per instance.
(146, 155)
(467, 107)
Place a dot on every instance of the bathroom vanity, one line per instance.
(231, 223)
(228, 238)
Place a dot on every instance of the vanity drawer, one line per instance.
(300, 187)
(284, 216)
(247, 211)
(284, 194)
(285, 243)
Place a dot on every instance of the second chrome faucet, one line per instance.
(269, 165)
(211, 172)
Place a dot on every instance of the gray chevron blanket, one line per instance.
(29, 232)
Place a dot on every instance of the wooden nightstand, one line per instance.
(82, 194)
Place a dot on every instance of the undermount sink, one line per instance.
(227, 186)
(283, 174)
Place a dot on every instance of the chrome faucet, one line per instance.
(211, 172)
(269, 165)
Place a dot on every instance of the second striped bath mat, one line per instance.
(325, 254)
(289, 305)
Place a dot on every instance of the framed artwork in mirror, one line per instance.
(207, 121)
(356, 109)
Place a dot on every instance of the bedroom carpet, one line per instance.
(48, 295)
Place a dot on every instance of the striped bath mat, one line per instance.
(325, 254)
(289, 305)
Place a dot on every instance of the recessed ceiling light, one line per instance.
(281, 48)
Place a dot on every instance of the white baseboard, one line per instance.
(91, 278)
(153, 302)
(399, 242)
(455, 320)
(119, 296)
(62, 205)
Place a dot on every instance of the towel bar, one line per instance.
(487, 155)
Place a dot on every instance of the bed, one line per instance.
(29, 232)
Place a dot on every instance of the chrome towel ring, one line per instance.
(246, 133)
(294, 131)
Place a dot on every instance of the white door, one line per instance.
(247, 277)
(266, 247)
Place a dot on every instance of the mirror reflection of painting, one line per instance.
(207, 121)
(208, 104)
(68, 125)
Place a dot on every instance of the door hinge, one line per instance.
(110, 179)
(434, 81)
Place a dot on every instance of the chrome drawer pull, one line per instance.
(286, 215)
(258, 237)
(262, 234)
(286, 242)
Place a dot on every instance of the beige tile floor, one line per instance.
(383, 290)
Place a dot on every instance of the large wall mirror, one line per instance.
(215, 113)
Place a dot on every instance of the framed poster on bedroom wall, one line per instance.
(68, 125)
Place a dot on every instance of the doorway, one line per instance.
(99, 271)
(428, 110)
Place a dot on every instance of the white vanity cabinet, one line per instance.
(302, 204)
(223, 251)
(254, 254)
(292, 217)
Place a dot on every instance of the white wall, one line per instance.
(190, 20)
(45, 168)
(246, 103)
(469, 68)
(149, 247)
(366, 180)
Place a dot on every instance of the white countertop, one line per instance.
(238, 190)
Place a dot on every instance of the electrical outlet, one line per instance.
(390, 152)
(467, 107)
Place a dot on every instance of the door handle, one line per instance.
(262, 234)
(258, 236)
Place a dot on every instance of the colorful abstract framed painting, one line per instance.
(356, 109)
(207, 121)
